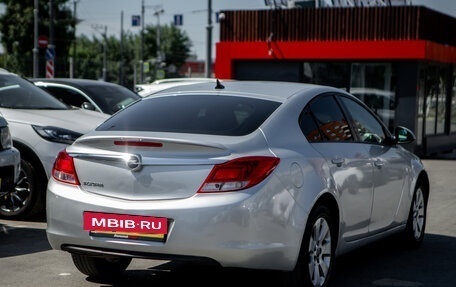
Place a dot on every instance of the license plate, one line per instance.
(125, 226)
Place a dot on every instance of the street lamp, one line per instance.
(159, 56)
(141, 56)
(35, 40)
(73, 59)
(209, 39)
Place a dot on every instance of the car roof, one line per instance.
(158, 85)
(71, 81)
(180, 80)
(275, 90)
(6, 72)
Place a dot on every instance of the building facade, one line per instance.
(400, 60)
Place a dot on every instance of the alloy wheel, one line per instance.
(319, 252)
(418, 214)
(13, 201)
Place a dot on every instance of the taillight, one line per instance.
(240, 173)
(63, 169)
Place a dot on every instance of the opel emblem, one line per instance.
(134, 162)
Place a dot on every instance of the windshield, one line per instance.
(17, 93)
(201, 114)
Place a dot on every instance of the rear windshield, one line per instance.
(200, 114)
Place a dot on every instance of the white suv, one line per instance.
(40, 127)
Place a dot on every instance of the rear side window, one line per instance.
(200, 114)
(323, 120)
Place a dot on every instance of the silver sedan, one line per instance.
(262, 175)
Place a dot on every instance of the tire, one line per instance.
(317, 255)
(416, 222)
(26, 199)
(99, 267)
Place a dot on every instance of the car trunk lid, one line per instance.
(145, 168)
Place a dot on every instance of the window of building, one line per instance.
(453, 102)
(374, 84)
(434, 99)
(421, 109)
(268, 70)
(326, 73)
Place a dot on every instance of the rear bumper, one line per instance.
(236, 229)
(101, 252)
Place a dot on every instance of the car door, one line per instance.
(327, 129)
(389, 165)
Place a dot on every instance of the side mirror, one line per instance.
(403, 135)
(88, 106)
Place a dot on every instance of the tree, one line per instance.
(88, 55)
(17, 26)
(174, 45)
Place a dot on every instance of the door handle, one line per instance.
(338, 161)
(379, 163)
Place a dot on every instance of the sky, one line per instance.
(194, 12)
(195, 17)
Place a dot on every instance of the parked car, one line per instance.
(145, 90)
(10, 166)
(89, 94)
(247, 174)
(40, 126)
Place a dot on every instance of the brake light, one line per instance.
(238, 174)
(137, 143)
(63, 169)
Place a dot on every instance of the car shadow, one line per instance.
(388, 263)
(385, 263)
(16, 240)
(184, 274)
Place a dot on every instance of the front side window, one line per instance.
(366, 126)
(67, 96)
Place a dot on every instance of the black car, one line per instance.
(89, 94)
